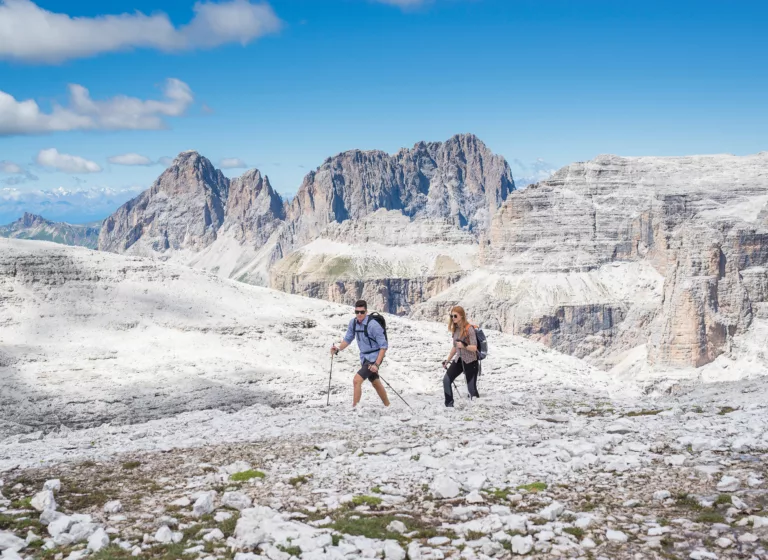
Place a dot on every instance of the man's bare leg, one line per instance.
(357, 392)
(381, 391)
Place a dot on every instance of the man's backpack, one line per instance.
(380, 320)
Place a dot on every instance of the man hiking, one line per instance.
(372, 343)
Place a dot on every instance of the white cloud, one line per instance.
(10, 167)
(528, 173)
(29, 33)
(165, 160)
(72, 205)
(84, 113)
(52, 158)
(130, 159)
(232, 163)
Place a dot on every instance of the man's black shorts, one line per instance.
(366, 373)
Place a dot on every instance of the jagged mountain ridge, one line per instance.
(239, 228)
(35, 227)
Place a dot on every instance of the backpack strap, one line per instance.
(365, 332)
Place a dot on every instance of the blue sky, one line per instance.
(283, 85)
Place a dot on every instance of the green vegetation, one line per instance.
(111, 553)
(376, 490)
(533, 487)
(18, 523)
(335, 540)
(710, 517)
(246, 475)
(292, 550)
(575, 531)
(23, 503)
(366, 501)
(131, 465)
(474, 535)
(644, 413)
(499, 494)
(371, 527)
(723, 500)
(298, 480)
(687, 501)
(727, 410)
(228, 527)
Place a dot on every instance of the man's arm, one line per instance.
(348, 338)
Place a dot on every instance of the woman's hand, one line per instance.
(459, 344)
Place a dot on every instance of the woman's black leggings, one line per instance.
(456, 369)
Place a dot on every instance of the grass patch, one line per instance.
(23, 503)
(372, 501)
(111, 553)
(710, 517)
(371, 527)
(376, 490)
(19, 523)
(697, 410)
(169, 552)
(575, 531)
(643, 413)
(298, 480)
(228, 527)
(500, 494)
(687, 501)
(246, 475)
(192, 531)
(727, 410)
(663, 521)
(131, 465)
(533, 487)
(723, 500)
(77, 499)
(375, 527)
(415, 457)
(335, 540)
(292, 550)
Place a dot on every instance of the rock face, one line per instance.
(618, 253)
(386, 258)
(183, 209)
(460, 180)
(31, 226)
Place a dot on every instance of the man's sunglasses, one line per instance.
(357, 312)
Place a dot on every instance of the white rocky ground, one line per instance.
(218, 378)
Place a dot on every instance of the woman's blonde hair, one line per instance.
(463, 324)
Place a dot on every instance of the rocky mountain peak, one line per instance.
(32, 220)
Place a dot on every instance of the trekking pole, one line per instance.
(330, 375)
(395, 392)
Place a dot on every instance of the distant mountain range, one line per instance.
(635, 264)
(32, 226)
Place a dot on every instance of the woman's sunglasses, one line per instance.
(455, 316)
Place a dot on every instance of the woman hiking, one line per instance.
(465, 345)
